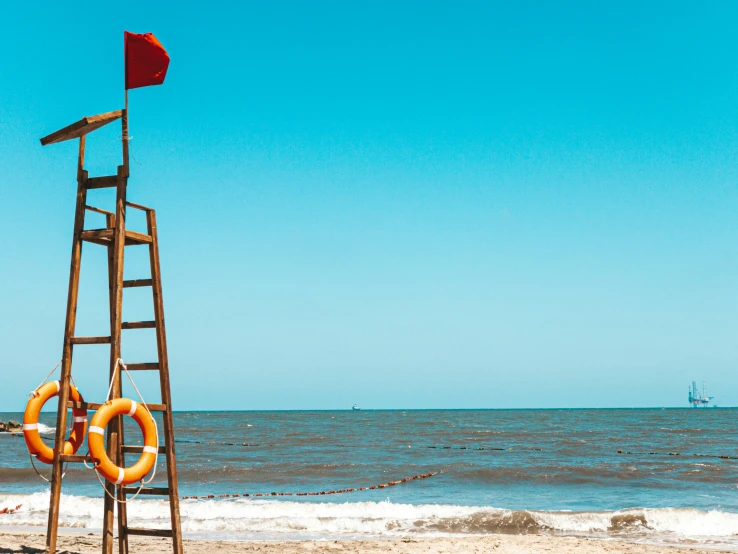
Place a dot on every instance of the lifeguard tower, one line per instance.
(116, 238)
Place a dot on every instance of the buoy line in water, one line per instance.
(475, 448)
(263, 494)
(319, 493)
(443, 447)
(721, 456)
(272, 445)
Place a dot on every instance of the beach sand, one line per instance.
(34, 543)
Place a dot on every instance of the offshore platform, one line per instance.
(697, 398)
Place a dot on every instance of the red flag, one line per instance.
(146, 60)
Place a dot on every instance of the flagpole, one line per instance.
(125, 136)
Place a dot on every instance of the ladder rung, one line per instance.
(133, 449)
(137, 283)
(75, 458)
(96, 405)
(90, 340)
(102, 182)
(141, 366)
(132, 237)
(149, 532)
(153, 491)
(138, 325)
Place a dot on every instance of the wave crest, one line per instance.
(246, 518)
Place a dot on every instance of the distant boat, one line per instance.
(355, 407)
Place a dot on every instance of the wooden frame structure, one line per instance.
(115, 237)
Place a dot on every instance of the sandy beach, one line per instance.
(33, 543)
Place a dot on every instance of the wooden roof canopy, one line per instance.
(81, 127)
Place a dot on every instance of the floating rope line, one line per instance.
(256, 445)
(319, 493)
(475, 448)
(721, 456)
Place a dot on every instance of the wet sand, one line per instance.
(82, 543)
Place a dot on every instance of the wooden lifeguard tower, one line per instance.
(115, 237)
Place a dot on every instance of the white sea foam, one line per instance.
(247, 518)
(45, 429)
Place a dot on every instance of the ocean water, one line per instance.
(500, 471)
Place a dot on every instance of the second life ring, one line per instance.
(96, 441)
(38, 447)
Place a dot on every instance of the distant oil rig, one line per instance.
(697, 398)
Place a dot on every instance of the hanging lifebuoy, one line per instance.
(35, 445)
(96, 442)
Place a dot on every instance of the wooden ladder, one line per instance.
(115, 237)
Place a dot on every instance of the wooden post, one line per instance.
(122, 508)
(166, 396)
(113, 446)
(124, 136)
(66, 369)
(120, 457)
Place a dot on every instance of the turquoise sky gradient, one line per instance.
(418, 206)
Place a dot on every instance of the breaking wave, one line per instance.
(247, 518)
(45, 429)
(42, 429)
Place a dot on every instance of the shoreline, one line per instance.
(75, 542)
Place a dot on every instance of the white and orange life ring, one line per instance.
(35, 445)
(96, 441)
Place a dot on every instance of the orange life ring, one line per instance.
(96, 442)
(35, 445)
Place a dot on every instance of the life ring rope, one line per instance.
(42, 383)
(36, 401)
(33, 464)
(32, 426)
(46, 380)
(146, 450)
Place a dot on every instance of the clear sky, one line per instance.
(400, 205)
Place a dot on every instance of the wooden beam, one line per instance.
(134, 449)
(99, 211)
(101, 242)
(139, 207)
(109, 181)
(115, 427)
(90, 340)
(98, 236)
(149, 532)
(82, 127)
(142, 366)
(151, 491)
(92, 406)
(105, 236)
(138, 325)
(132, 237)
(74, 458)
(66, 366)
(165, 386)
(137, 283)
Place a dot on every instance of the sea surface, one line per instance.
(500, 471)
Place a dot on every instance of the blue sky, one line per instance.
(403, 206)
